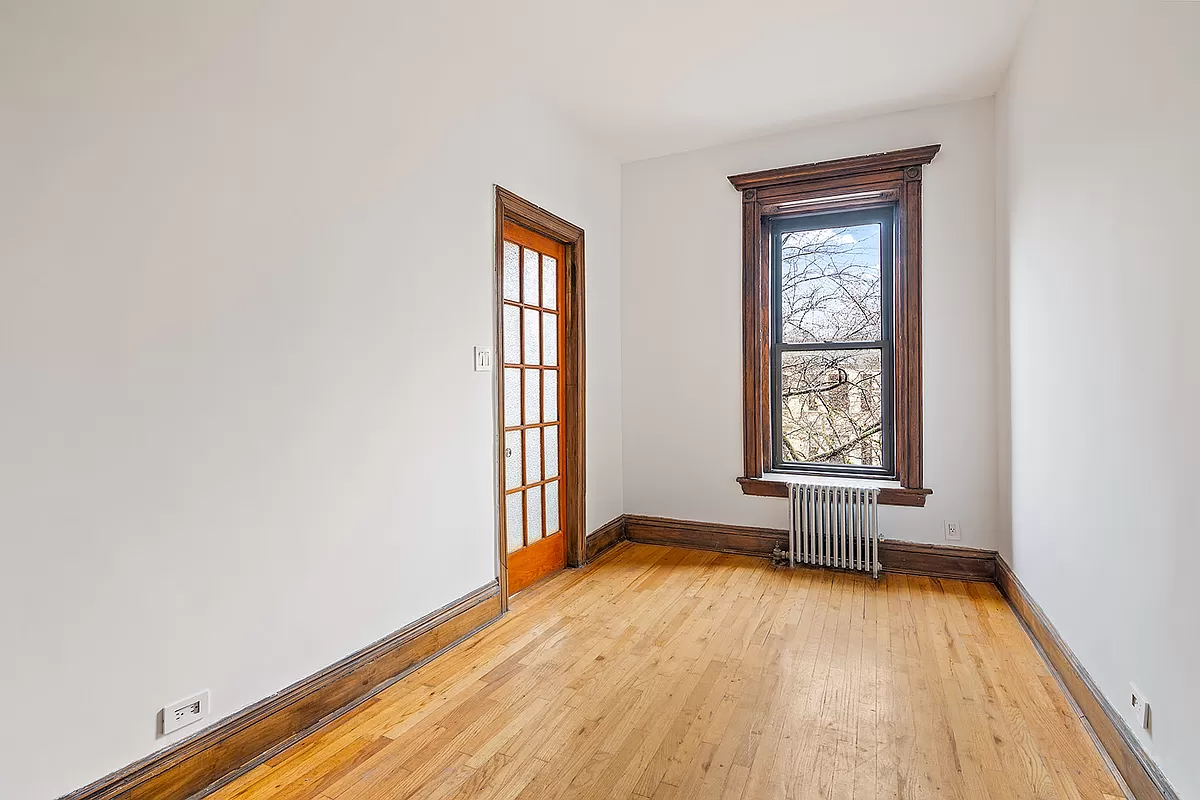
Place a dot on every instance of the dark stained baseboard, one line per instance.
(938, 561)
(231, 746)
(720, 538)
(957, 563)
(605, 537)
(1143, 777)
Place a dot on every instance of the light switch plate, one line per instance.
(483, 359)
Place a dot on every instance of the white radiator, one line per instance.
(834, 526)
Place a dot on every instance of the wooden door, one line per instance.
(531, 506)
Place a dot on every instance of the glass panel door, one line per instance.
(531, 342)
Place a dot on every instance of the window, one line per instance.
(831, 323)
(832, 368)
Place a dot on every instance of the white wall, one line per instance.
(245, 252)
(681, 322)
(1101, 129)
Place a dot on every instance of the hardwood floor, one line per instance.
(661, 673)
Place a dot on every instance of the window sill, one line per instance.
(889, 495)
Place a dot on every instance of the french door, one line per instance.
(531, 505)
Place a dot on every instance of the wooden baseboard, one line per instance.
(958, 563)
(605, 537)
(938, 561)
(243, 740)
(1143, 777)
(720, 538)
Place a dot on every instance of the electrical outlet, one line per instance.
(953, 531)
(1139, 706)
(483, 359)
(182, 713)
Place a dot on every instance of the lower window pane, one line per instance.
(551, 507)
(533, 455)
(551, 451)
(551, 394)
(514, 521)
(832, 407)
(533, 512)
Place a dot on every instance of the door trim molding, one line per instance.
(572, 369)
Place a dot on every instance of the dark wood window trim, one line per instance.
(516, 209)
(893, 178)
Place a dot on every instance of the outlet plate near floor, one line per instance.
(184, 712)
(1139, 708)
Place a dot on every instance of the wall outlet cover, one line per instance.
(184, 712)
(1139, 708)
(953, 531)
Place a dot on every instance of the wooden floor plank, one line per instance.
(659, 673)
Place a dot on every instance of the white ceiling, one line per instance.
(642, 77)
(652, 77)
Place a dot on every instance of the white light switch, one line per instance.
(483, 359)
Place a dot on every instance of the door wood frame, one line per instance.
(512, 208)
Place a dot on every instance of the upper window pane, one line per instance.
(530, 290)
(831, 285)
(512, 272)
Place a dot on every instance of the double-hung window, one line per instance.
(832, 324)
(832, 363)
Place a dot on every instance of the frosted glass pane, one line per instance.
(549, 282)
(550, 339)
(532, 281)
(512, 271)
(552, 452)
(533, 513)
(512, 335)
(512, 397)
(533, 350)
(533, 397)
(551, 396)
(512, 459)
(514, 516)
(551, 508)
(533, 455)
